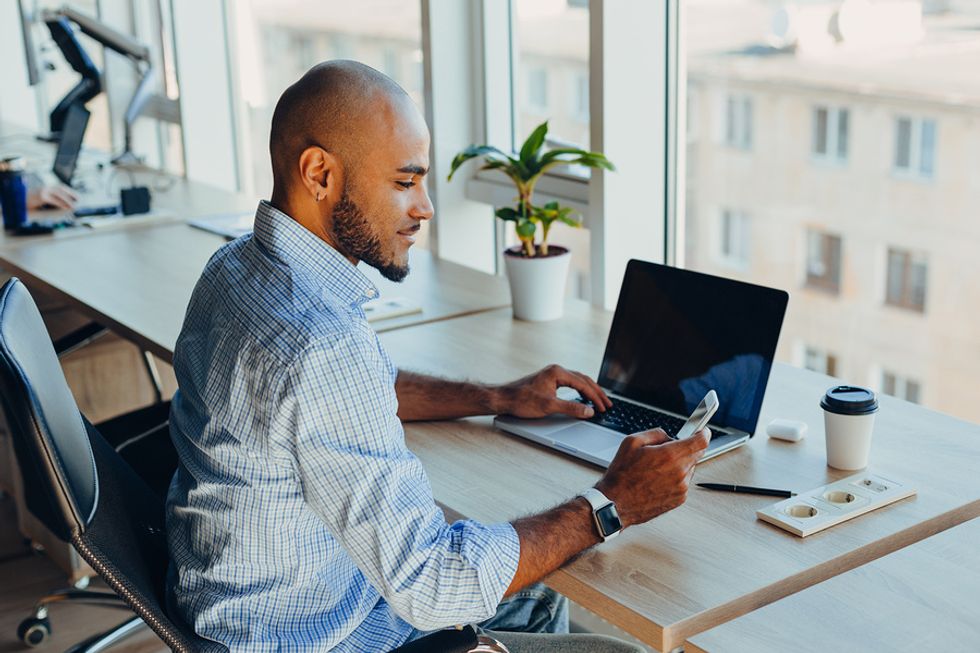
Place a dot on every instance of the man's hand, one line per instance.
(58, 197)
(650, 474)
(535, 395)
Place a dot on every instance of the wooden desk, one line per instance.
(710, 561)
(922, 598)
(138, 281)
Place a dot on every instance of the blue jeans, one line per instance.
(535, 620)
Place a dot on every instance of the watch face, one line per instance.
(609, 521)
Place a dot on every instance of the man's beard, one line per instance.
(352, 232)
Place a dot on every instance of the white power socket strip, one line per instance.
(829, 505)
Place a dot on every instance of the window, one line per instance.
(901, 387)
(905, 240)
(537, 90)
(915, 146)
(830, 134)
(733, 238)
(906, 284)
(551, 73)
(552, 45)
(738, 122)
(580, 93)
(276, 47)
(823, 261)
(819, 360)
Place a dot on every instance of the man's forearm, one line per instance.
(550, 539)
(422, 397)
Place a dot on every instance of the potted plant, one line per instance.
(537, 270)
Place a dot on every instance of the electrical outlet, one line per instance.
(829, 505)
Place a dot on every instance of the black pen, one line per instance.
(724, 487)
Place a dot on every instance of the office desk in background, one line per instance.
(711, 560)
(921, 598)
(138, 281)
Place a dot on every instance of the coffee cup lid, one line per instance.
(849, 400)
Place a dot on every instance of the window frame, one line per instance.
(914, 170)
(830, 280)
(911, 259)
(832, 155)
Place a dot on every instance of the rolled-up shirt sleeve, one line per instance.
(374, 497)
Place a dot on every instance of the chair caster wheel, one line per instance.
(34, 631)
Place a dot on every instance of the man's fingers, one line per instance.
(578, 382)
(651, 437)
(604, 401)
(572, 409)
(697, 443)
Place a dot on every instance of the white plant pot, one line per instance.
(537, 284)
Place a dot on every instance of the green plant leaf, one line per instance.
(525, 229)
(553, 206)
(473, 151)
(529, 151)
(508, 213)
(570, 220)
(573, 156)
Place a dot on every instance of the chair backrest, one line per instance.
(77, 485)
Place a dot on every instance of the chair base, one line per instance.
(113, 636)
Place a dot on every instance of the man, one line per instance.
(298, 519)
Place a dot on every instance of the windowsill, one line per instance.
(493, 188)
(828, 162)
(908, 175)
(906, 308)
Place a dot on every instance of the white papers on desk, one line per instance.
(384, 308)
(229, 225)
(116, 219)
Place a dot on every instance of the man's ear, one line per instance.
(321, 174)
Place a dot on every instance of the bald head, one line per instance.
(335, 105)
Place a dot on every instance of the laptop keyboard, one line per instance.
(630, 418)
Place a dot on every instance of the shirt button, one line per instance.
(371, 292)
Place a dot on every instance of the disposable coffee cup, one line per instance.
(849, 419)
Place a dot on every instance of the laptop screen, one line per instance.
(677, 334)
(70, 143)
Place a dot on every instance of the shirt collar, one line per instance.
(308, 255)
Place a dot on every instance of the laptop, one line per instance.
(70, 143)
(675, 335)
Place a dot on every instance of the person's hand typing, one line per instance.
(535, 395)
(58, 197)
(651, 473)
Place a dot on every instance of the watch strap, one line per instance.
(595, 498)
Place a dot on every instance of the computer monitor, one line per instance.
(70, 144)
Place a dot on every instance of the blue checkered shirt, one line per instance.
(298, 520)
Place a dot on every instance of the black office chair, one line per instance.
(82, 489)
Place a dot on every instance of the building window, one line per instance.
(901, 387)
(733, 238)
(906, 285)
(580, 97)
(831, 130)
(550, 72)
(738, 122)
(819, 360)
(537, 90)
(823, 261)
(915, 146)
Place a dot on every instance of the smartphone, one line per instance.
(699, 418)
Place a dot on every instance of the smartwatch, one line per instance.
(604, 513)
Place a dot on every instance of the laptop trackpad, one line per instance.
(590, 439)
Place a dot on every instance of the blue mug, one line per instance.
(13, 192)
